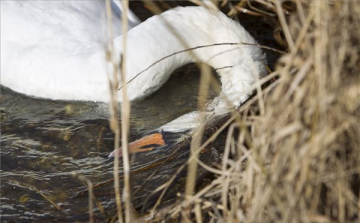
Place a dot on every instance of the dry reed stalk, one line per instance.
(125, 120)
(198, 133)
(89, 185)
(280, 13)
(114, 125)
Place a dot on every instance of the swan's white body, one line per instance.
(55, 49)
(46, 54)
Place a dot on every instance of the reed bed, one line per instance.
(292, 153)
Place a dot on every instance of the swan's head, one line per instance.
(238, 83)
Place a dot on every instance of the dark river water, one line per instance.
(46, 145)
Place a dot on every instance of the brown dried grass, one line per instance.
(298, 160)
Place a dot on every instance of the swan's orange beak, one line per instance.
(146, 143)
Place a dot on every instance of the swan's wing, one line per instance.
(44, 42)
(60, 24)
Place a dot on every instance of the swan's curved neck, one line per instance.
(176, 31)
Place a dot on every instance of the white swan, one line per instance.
(55, 50)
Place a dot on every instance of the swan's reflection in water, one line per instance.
(46, 145)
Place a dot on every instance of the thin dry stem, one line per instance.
(284, 25)
(113, 83)
(89, 185)
(196, 141)
(125, 121)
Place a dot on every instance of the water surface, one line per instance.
(46, 145)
